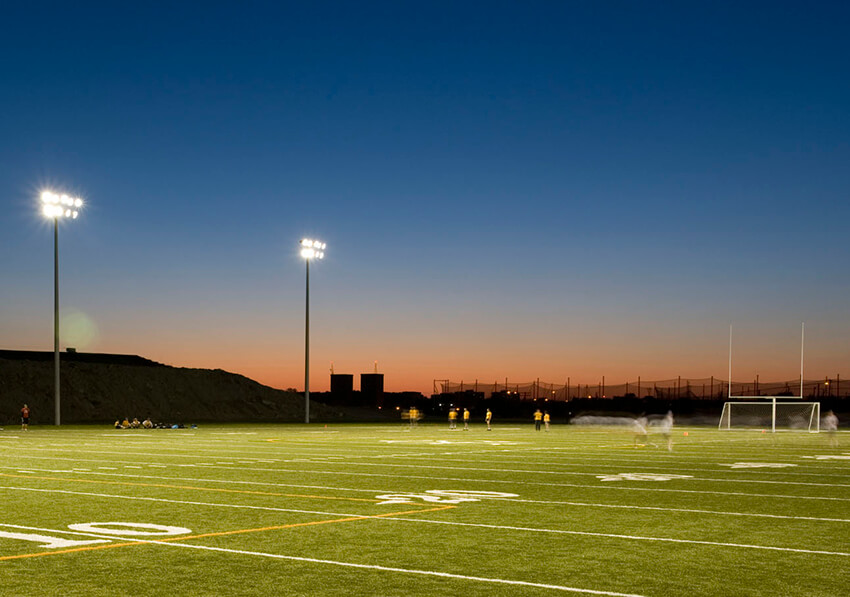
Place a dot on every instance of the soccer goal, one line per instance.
(762, 412)
(771, 414)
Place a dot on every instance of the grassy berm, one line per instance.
(99, 388)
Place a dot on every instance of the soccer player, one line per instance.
(639, 427)
(452, 418)
(25, 418)
(546, 419)
(667, 429)
(466, 419)
(830, 425)
(538, 417)
(488, 417)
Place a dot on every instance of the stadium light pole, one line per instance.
(310, 249)
(58, 207)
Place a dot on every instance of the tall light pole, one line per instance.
(58, 207)
(310, 249)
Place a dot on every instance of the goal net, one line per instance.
(773, 415)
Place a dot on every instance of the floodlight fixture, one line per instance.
(58, 206)
(310, 249)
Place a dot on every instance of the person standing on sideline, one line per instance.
(538, 417)
(488, 417)
(830, 425)
(546, 419)
(466, 419)
(452, 418)
(25, 418)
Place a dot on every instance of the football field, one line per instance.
(389, 510)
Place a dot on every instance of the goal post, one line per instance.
(771, 413)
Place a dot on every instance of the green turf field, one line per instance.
(386, 510)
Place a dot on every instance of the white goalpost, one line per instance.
(760, 412)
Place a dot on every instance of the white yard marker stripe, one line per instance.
(630, 537)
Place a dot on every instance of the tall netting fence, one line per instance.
(709, 388)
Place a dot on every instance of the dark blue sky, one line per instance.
(593, 184)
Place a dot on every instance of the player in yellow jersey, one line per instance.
(488, 417)
(538, 417)
(466, 419)
(546, 419)
(452, 418)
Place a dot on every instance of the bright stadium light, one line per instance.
(310, 249)
(58, 207)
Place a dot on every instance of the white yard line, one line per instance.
(376, 567)
(616, 536)
(685, 510)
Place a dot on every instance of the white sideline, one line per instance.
(449, 523)
(379, 568)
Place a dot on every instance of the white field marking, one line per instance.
(829, 457)
(629, 537)
(536, 484)
(131, 466)
(641, 477)
(442, 496)
(131, 529)
(103, 535)
(27, 472)
(108, 468)
(234, 432)
(157, 466)
(686, 510)
(759, 465)
(48, 542)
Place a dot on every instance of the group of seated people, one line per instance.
(134, 424)
(146, 424)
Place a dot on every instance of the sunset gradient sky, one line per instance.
(507, 189)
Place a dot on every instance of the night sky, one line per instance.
(507, 189)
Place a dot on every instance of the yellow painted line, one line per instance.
(220, 534)
(76, 549)
(213, 489)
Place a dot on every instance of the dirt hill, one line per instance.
(98, 388)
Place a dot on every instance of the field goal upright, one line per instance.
(757, 412)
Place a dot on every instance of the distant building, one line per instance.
(342, 387)
(372, 388)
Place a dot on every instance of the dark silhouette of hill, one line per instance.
(98, 388)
